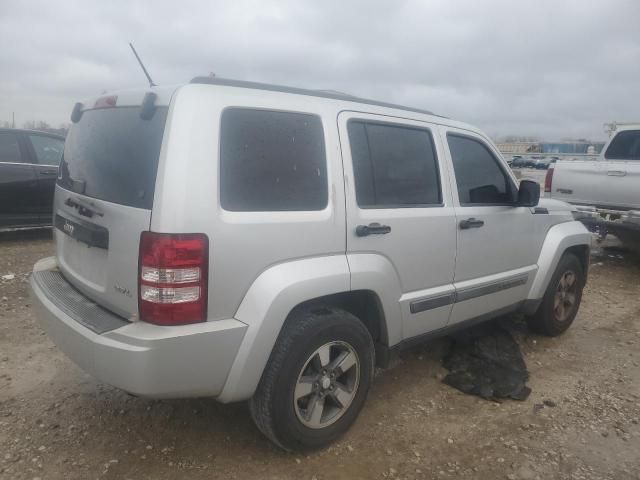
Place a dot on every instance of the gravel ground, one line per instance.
(581, 420)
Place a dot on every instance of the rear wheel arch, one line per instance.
(365, 305)
(312, 327)
(250, 362)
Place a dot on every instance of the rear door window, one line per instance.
(9, 148)
(48, 150)
(112, 154)
(272, 161)
(624, 146)
(393, 165)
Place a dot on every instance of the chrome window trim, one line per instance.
(33, 164)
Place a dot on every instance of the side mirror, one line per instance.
(528, 193)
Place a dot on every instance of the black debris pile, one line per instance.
(487, 362)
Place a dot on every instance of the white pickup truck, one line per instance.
(606, 189)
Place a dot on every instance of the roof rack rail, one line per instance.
(332, 94)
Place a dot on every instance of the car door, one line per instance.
(620, 172)
(46, 152)
(497, 251)
(400, 219)
(17, 182)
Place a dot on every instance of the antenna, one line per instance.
(151, 84)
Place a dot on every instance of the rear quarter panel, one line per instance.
(242, 244)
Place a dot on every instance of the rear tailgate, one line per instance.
(103, 201)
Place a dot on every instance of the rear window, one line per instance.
(9, 149)
(394, 165)
(112, 154)
(48, 150)
(624, 146)
(272, 161)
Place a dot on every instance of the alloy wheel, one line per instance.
(326, 385)
(565, 299)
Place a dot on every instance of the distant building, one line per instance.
(568, 147)
(571, 147)
(518, 148)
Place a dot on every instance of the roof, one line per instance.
(32, 132)
(332, 94)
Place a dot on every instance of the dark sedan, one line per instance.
(29, 163)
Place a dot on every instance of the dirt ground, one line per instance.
(581, 420)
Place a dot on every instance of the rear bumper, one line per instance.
(622, 223)
(140, 358)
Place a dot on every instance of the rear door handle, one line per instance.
(372, 229)
(616, 173)
(470, 223)
(48, 172)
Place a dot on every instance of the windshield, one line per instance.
(112, 154)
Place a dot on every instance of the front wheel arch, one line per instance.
(562, 298)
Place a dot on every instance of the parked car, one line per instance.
(532, 161)
(519, 161)
(28, 169)
(543, 163)
(264, 243)
(605, 190)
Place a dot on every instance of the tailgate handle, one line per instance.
(471, 223)
(616, 173)
(372, 229)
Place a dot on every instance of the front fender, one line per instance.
(265, 307)
(559, 238)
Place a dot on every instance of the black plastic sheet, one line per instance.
(486, 361)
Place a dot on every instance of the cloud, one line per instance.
(547, 68)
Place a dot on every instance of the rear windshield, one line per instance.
(625, 146)
(112, 154)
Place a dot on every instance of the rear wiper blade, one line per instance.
(83, 208)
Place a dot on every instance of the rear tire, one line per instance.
(561, 300)
(316, 380)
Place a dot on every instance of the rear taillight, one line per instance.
(548, 179)
(172, 282)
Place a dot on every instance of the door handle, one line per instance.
(616, 173)
(372, 229)
(48, 172)
(470, 223)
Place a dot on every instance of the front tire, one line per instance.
(316, 380)
(561, 300)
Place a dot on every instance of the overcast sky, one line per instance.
(548, 68)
